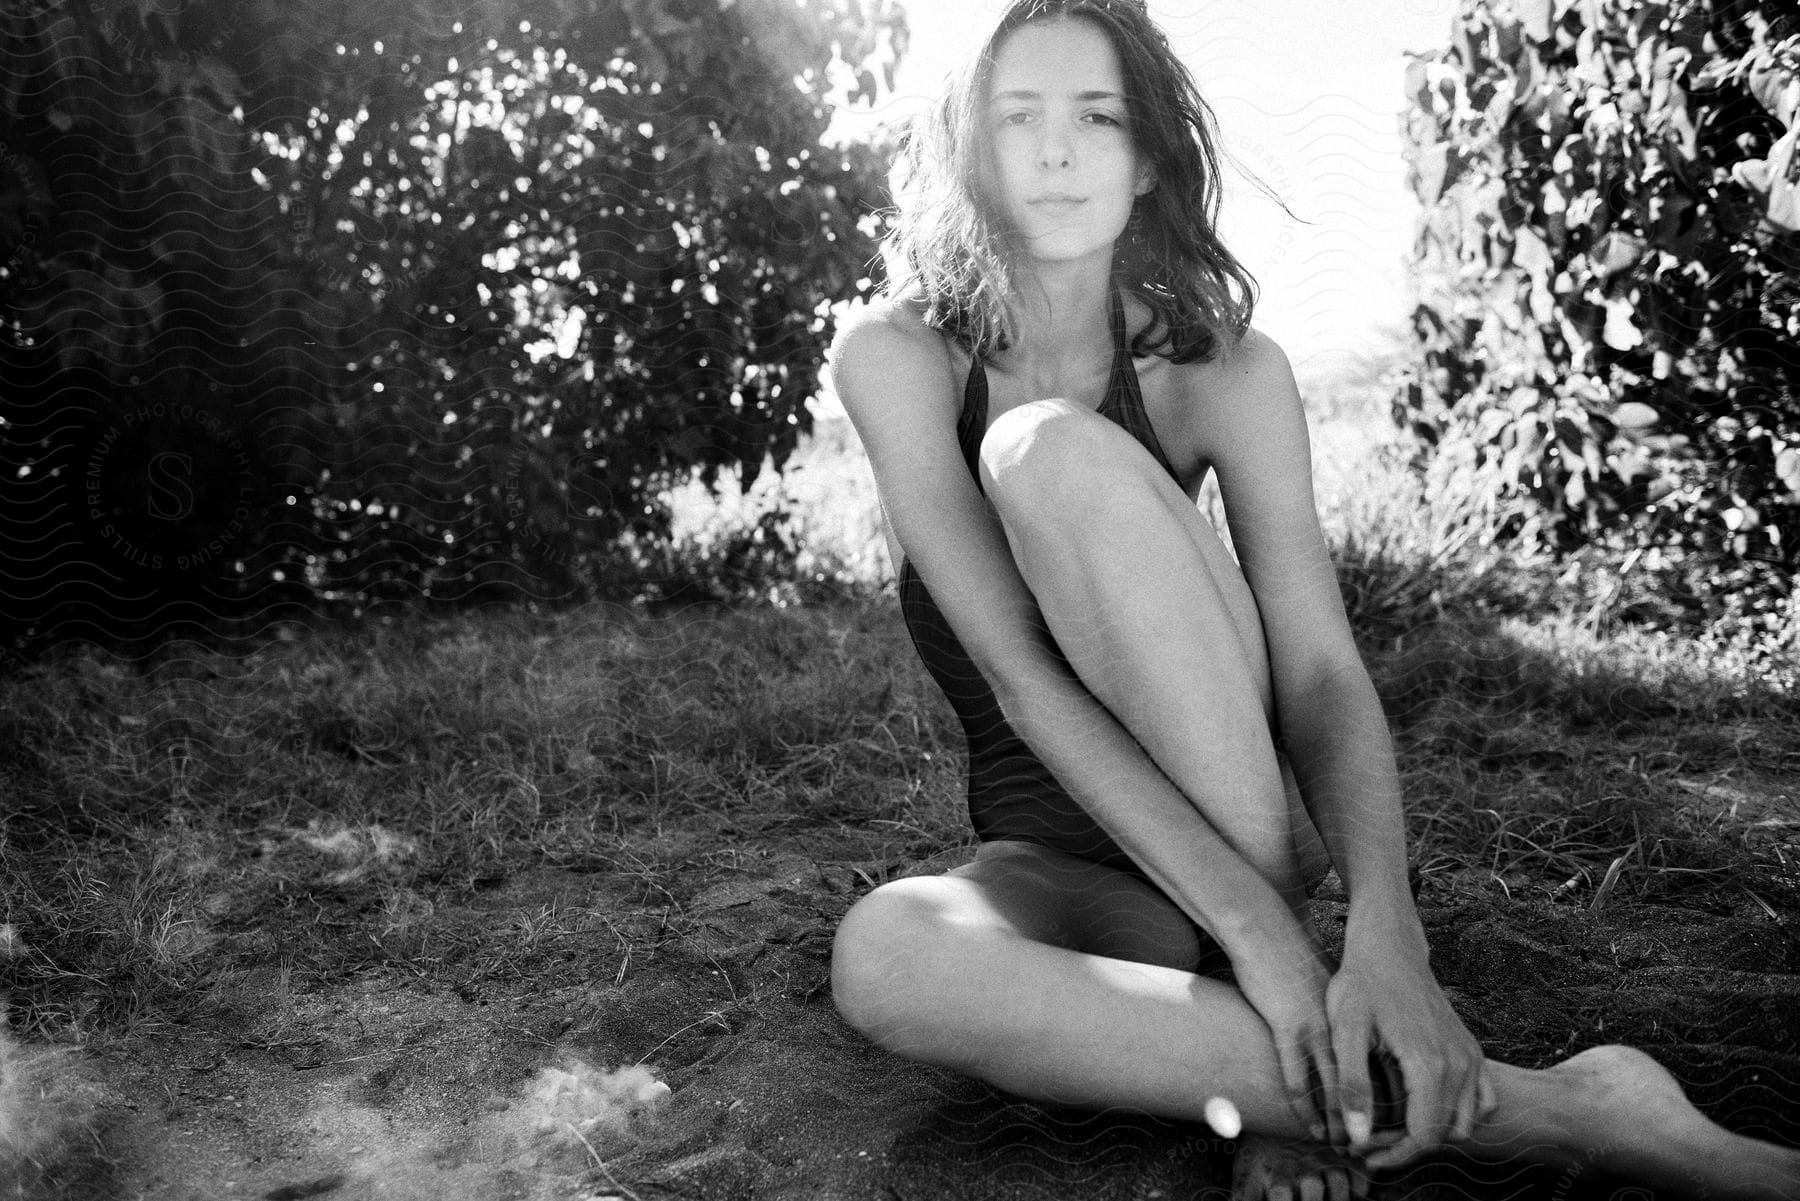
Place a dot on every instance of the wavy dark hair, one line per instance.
(950, 247)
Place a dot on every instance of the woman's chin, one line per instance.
(1064, 247)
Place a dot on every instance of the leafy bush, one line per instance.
(1609, 267)
(325, 306)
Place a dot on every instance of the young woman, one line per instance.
(1166, 743)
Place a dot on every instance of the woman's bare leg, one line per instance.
(1155, 617)
(975, 971)
(990, 970)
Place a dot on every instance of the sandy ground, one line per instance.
(399, 1081)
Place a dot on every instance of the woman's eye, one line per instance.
(1018, 118)
(1105, 119)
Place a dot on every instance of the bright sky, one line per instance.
(1308, 95)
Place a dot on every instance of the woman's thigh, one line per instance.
(1067, 901)
(912, 947)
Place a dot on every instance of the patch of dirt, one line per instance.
(431, 1079)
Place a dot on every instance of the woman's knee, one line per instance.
(1038, 461)
(1042, 445)
(884, 954)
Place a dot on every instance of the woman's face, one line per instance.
(1065, 160)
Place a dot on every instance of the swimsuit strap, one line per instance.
(1123, 402)
(972, 423)
(1124, 375)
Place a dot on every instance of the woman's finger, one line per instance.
(1325, 1100)
(1490, 1100)
(1350, 1045)
(1425, 1115)
(1468, 1105)
(1296, 1076)
(1390, 1099)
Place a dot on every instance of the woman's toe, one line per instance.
(1279, 1169)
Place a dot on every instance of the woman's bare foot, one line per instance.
(1283, 1169)
(1640, 1126)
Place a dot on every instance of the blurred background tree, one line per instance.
(1608, 323)
(315, 306)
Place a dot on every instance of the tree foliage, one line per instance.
(1609, 256)
(332, 301)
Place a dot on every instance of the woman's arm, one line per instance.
(1330, 719)
(1336, 738)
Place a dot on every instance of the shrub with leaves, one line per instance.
(334, 303)
(1609, 270)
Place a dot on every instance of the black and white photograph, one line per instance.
(884, 600)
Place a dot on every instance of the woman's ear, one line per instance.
(1146, 180)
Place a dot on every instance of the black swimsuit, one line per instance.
(1012, 794)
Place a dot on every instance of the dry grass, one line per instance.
(176, 819)
(1546, 744)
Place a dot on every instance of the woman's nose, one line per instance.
(1056, 149)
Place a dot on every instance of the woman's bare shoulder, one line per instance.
(1250, 367)
(1252, 357)
(1256, 350)
(1248, 375)
(885, 336)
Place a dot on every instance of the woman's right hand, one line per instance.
(1286, 986)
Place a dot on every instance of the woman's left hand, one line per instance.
(1385, 999)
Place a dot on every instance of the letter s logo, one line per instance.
(171, 489)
